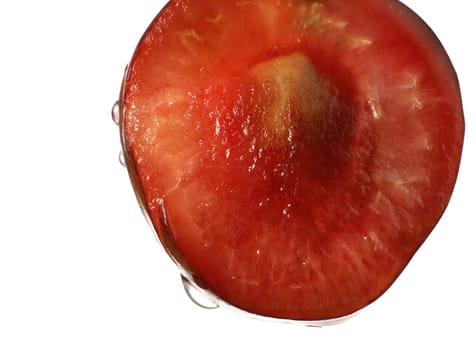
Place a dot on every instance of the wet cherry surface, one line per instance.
(294, 155)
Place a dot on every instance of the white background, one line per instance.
(79, 266)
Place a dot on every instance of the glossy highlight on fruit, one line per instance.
(293, 155)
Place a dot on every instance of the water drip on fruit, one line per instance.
(122, 159)
(115, 113)
(196, 296)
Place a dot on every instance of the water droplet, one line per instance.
(196, 296)
(115, 113)
(374, 109)
(122, 159)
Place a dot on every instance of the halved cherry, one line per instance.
(292, 155)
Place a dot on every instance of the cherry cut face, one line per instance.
(292, 156)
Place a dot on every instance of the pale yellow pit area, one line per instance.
(295, 94)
